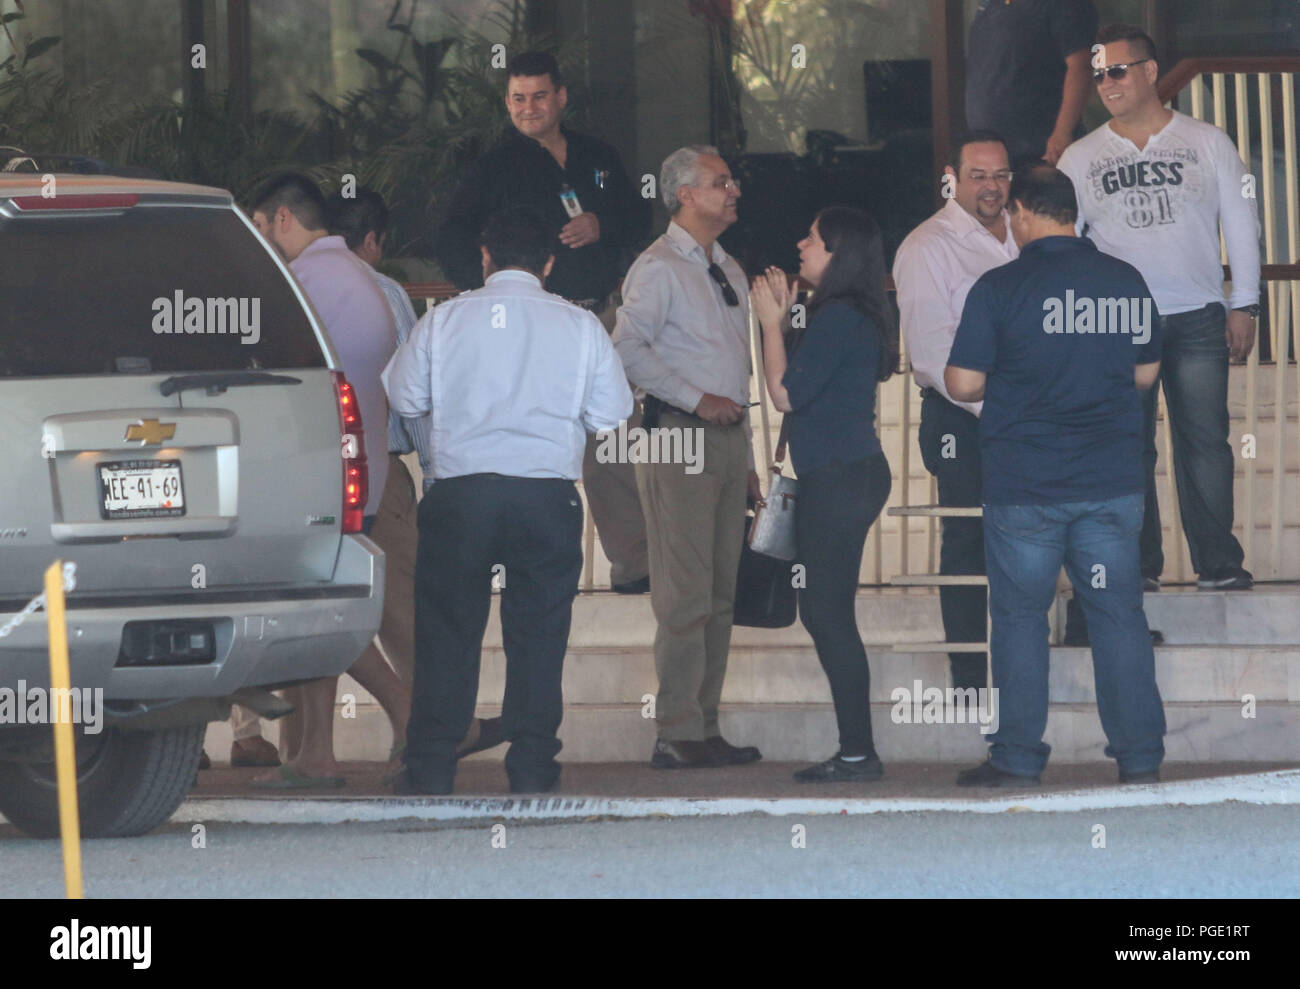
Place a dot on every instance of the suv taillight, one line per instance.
(356, 476)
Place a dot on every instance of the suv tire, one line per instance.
(128, 783)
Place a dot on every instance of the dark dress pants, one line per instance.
(950, 448)
(531, 527)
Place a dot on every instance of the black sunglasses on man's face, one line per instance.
(1118, 71)
(719, 276)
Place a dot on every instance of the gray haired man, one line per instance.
(682, 333)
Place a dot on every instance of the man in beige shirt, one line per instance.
(683, 335)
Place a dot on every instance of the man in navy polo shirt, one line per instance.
(1057, 344)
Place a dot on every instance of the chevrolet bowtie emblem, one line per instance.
(150, 432)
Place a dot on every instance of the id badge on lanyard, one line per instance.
(569, 200)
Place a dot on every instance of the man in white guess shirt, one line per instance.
(1154, 188)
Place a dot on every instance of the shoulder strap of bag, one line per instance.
(796, 338)
(778, 460)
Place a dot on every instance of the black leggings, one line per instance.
(836, 506)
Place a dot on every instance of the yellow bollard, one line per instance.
(65, 754)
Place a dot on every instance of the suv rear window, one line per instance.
(152, 289)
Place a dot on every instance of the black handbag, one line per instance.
(765, 592)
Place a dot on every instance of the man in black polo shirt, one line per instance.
(579, 184)
(1029, 73)
(1054, 343)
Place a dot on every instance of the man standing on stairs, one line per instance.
(1154, 188)
(933, 270)
(1057, 344)
(579, 184)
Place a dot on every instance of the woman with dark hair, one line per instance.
(827, 387)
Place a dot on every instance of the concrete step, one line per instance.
(1268, 615)
(1220, 647)
(786, 675)
(807, 733)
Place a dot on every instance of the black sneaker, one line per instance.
(987, 774)
(838, 770)
(1230, 580)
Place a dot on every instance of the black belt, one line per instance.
(654, 407)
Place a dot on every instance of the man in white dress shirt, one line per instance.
(683, 335)
(934, 269)
(362, 221)
(513, 379)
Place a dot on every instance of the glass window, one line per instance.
(98, 295)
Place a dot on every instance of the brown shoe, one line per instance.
(255, 751)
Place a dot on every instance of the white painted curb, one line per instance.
(1275, 788)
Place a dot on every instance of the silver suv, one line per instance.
(177, 427)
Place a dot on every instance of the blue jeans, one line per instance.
(1025, 546)
(1194, 372)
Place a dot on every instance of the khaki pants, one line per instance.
(695, 527)
(612, 497)
(396, 534)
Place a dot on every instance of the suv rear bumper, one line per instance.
(263, 639)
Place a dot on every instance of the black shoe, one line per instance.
(1227, 580)
(406, 785)
(726, 754)
(632, 586)
(1150, 776)
(204, 761)
(837, 770)
(1151, 585)
(489, 734)
(987, 774)
(681, 755)
(1157, 637)
(520, 783)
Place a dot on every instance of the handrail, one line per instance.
(446, 290)
(1172, 82)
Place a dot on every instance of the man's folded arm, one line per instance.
(456, 240)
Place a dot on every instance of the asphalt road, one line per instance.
(1220, 850)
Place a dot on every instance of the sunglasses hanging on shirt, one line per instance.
(719, 276)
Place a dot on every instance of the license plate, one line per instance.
(140, 489)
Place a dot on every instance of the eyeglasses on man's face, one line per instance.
(1117, 71)
(725, 184)
(1002, 176)
(720, 276)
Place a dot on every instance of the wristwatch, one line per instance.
(1253, 310)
